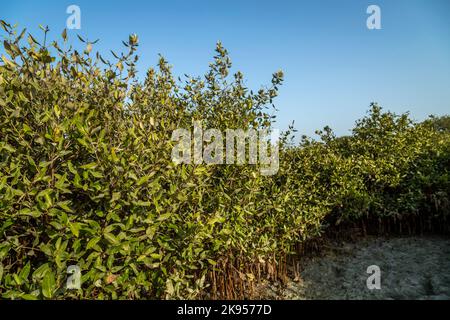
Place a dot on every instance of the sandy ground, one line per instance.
(411, 268)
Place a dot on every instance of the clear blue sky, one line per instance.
(334, 66)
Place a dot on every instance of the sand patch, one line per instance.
(411, 268)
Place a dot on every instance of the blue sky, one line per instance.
(334, 66)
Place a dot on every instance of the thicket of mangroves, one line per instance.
(87, 179)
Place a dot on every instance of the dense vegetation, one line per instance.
(86, 178)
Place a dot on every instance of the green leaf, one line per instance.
(92, 243)
(40, 272)
(115, 196)
(64, 205)
(8, 62)
(48, 284)
(7, 147)
(212, 262)
(25, 272)
(156, 256)
(57, 110)
(28, 296)
(72, 168)
(164, 216)
(226, 231)
(17, 279)
(142, 203)
(88, 166)
(29, 212)
(169, 287)
(83, 142)
(111, 238)
(81, 39)
(143, 180)
(96, 174)
(75, 228)
(64, 34)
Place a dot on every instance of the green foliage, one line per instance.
(86, 177)
(389, 167)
